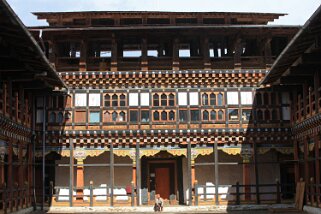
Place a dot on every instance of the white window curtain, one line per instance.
(133, 99)
(94, 99)
(144, 99)
(285, 98)
(81, 99)
(286, 113)
(182, 98)
(246, 98)
(39, 116)
(193, 98)
(232, 98)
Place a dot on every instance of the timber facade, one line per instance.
(157, 102)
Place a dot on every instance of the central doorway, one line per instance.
(163, 174)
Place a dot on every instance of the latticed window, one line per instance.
(60, 117)
(107, 100)
(204, 99)
(164, 115)
(122, 100)
(212, 99)
(220, 99)
(114, 100)
(114, 116)
(205, 115)
(171, 115)
(171, 100)
(164, 100)
(156, 100)
(122, 116)
(156, 115)
(220, 115)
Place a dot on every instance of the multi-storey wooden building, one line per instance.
(165, 102)
(24, 73)
(297, 71)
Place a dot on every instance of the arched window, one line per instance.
(204, 99)
(156, 115)
(220, 115)
(171, 101)
(212, 99)
(114, 100)
(258, 99)
(107, 100)
(274, 115)
(171, 115)
(114, 116)
(266, 98)
(122, 116)
(164, 115)
(60, 117)
(220, 99)
(267, 115)
(259, 115)
(205, 115)
(156, 100)
(122, 101)
(213, 115)
(52, 117)
(164, 100)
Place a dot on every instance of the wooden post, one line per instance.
(237, 192)
(312, 192)
(138, 173)
(189, 172)
(175, 59)
(114, 53)
(268, 52)
(316, 91)
(10, 177)
(238, 53)
(206, 54)
(80, 179)
(91, 189)
(317, 167)
(256, 170)
(296, 163)
(278, 192)
(44, 125)
(306, 166)
(111, 172)
(144, 59)
(71, 172)
(216, 171)
(83, 56)
(196, 192)
(246, 180)
(132, 194)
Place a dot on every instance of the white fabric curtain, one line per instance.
(182, 98)
(144, 99)
(193, 98)
(81, 99)
(286, 113)
(133, 99)
(246, 98)
(94, 99)
(232, 98)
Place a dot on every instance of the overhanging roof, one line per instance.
(301, 43)
(20, 55)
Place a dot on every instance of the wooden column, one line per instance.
(316, 90)
(111, 172)
(144, 62)
(71, 171)
(21, 166)
(114, 54)
(206, 53)
(268, 52)
(238, 53)
(256, 171)
(175, 65)
(296, 163)
(216, 171)
(306, 167)
(304, 97)
(247, 179)
(52, 52)
(83, 56)
(138, 173)
(189, 172)
(317, 165)
(80, 179)
(10, 174)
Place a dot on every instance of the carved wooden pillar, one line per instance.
(316, 90)
(83, 56)
(80, 179)
(268, 52)
(114, 54)
(175, 65)
(144, 62)
(296, 163)
(317, 165)
(246, 177)
(238, 53)
(206, 53)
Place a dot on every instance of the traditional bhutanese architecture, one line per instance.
(160, 102)
(297, 71)
(24, 73)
